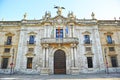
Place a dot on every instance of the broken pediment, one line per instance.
(86, 33)
(32, 33)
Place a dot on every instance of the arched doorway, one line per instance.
(59, 62)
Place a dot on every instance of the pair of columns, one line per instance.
(45, 56)
(73, 55)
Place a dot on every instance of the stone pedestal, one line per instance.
(74, 70)
(45, 71)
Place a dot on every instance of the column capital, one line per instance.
(45, 45)
(73, 45)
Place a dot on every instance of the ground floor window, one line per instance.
(4, 63)
(90, 62)
(114, 61)
(29, 63)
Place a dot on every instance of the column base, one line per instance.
(74, 70)
(45, 71)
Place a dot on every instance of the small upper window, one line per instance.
(7, 50)
(111, 49)
(88, 48)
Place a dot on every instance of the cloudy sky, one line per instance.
(103, 9)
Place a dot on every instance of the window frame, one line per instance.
(29, 62)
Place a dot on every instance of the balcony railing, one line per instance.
(87, 41)
(59, 40)
(8, 43)
(111, 42)
(31, 43)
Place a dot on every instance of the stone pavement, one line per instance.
(111, 76)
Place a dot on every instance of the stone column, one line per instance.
(44, 57)
(72, 62)
(45, 70)
(75, 54)
(47, 59)
(73, 29)
(70, 35)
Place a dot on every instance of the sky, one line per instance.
(13, 10)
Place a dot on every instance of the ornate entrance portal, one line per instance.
(59, 62)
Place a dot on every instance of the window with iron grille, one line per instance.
(87, 39)
(109, 39)
(7, 50)
(31, 39)
(30, 49)
(111, 49)
(9, 40)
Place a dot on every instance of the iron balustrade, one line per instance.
(60, 40)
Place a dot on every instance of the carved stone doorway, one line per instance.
(59, 62)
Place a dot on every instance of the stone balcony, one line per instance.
(112, 43)
(68, 40)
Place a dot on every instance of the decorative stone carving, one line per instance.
(59, 9)
(108, 33)
(30, 55)
(71, 16)
(9, 34)
(89, 54)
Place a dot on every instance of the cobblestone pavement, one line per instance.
(61, 77)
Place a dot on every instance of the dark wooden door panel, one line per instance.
(59, 62)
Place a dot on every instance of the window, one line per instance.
(88, 48)
(90, 62)
(4, 63)
(59, 33)
(7, 50)
(109, 39)
(31, 40)
(114, 62)
(9, 40)
(111, 49)
(29, 63)
(87, 39)
(30, 49)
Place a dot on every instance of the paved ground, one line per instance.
(62, 77)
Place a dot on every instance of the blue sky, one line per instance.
(103, 9)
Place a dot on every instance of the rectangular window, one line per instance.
(30, 49)
(109, 39)
(88, 48)
(7, 50)
(114, 62)
(87, 39)
(90, 62)
(4, 63)
(111, 49)
(59, 33)
(29, 63)
(31, 40)
(9, 40)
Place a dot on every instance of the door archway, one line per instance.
(59, 62)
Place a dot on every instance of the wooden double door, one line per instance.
(59, 62)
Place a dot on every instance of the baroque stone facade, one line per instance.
(60, 45)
